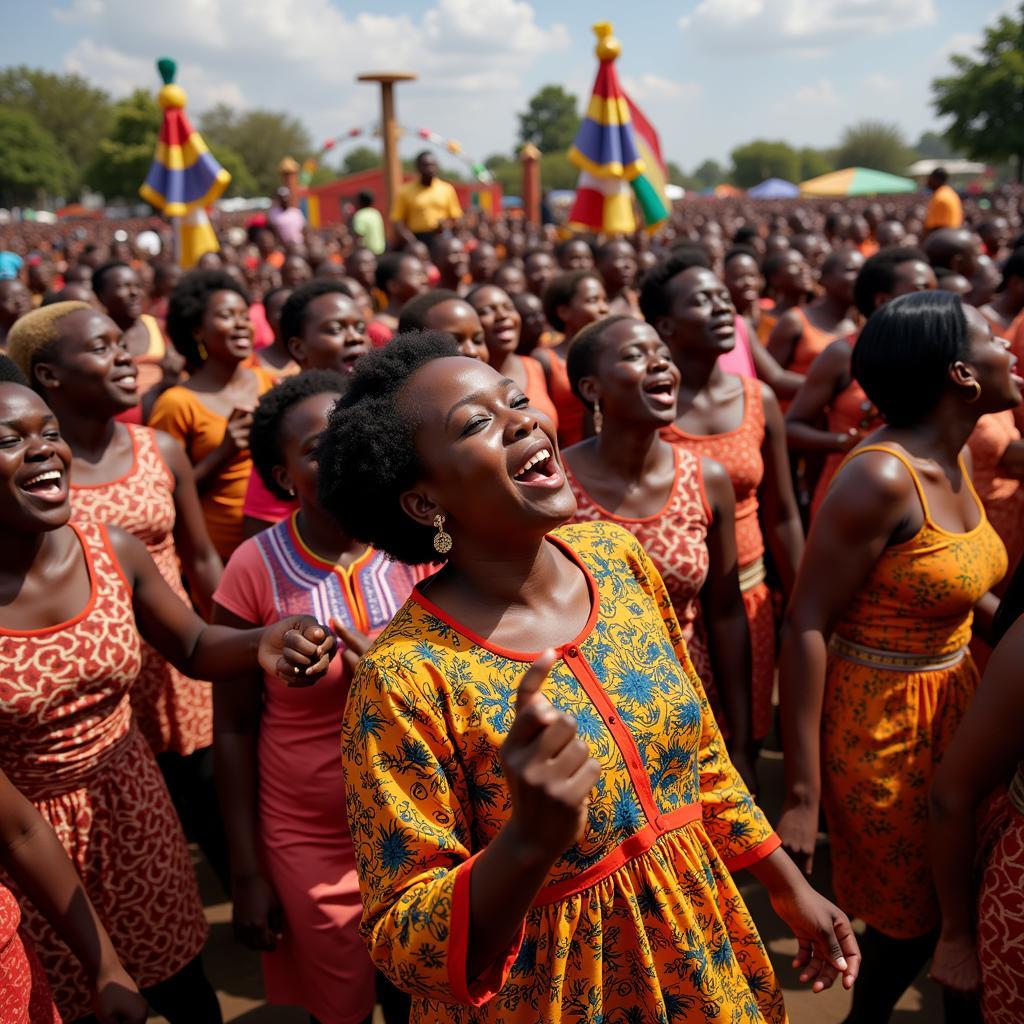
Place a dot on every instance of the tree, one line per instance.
(31, 161)
(242, 181)
(557, 171)
(760, 159)
(933, 146)
(874, 144)
(709, 174)
(676, 175)
(74, 113)
(260, 137)
(815, 162)
(362, 158)
(550, 120)
(122, 159)
(507, 172)
(985, 95)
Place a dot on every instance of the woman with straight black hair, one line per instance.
(875, 672)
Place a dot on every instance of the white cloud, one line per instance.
(807, 27)
(651, 87)
(817, 94)
(880, 84)
(303, 56)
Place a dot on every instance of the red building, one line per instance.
(325, 204)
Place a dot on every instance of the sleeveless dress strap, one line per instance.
(906, 463)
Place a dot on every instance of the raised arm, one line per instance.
(297, 649)
(866, 504)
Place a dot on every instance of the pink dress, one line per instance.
(321, 964)
(739, 360)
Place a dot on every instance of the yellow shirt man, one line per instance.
(944, 208)
(424, 204)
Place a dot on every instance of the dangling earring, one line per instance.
(442, 540)
(201, 349)
(598, 418)
(977, 393)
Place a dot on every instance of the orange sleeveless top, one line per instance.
(739, 451)
(811, 343)
(919, 596)
(537, 389)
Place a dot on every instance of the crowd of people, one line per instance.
(446, 593)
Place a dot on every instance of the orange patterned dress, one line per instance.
(676, 539)
(640, 918)
(898, 682)
(68, 742)
(173, 712)
(739, 451)
(1001, 917)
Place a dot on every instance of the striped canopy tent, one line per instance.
(184, 177)
(857, 181)
(618, 154)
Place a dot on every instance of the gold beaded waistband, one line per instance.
(752, 575)
(893, 661)
(1017, 790)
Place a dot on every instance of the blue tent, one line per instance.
(774, 188)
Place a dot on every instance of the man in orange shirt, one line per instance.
(944, 208)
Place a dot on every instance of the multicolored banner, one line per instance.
(618, 153)
(184, 177)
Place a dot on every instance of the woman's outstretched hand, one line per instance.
(826, 945)
(297, 649)
(548, 769)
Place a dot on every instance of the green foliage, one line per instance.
(362, 158)
(31, 162)
(507, 172)
(874, 144)
(557, 171)
(74, 113)
(709, 174)
(761, 159)
(550, 120)
(815, 162)
(985, 95)
(676, 175)
(122, 159)
(262, 138)
(242, 181)
(933, 146)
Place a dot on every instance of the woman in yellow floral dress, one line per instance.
(899, 555)
(543, 812)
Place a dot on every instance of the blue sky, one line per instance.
(710, 74)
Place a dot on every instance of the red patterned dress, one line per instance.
(739, 451)
(68, 742)
(24, 994)
(676, 539)
(1001, 916)
(174, 712)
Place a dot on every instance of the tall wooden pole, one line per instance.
(530, 160)
(389, 132)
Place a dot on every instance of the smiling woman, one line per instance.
(211, 414)
(74, 600)
(527, 747)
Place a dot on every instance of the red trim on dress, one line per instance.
(124, 476)
(614, 516)
(756, 853)
(89, 605)
(478, 991)
(526, 656)
(635, 846)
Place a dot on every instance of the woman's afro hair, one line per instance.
(273, 407)
(367, 454)
(187, 306)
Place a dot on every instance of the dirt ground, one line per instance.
(235, 972)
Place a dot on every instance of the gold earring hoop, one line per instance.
(442, 540)
(598, 418)
(977, 392)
